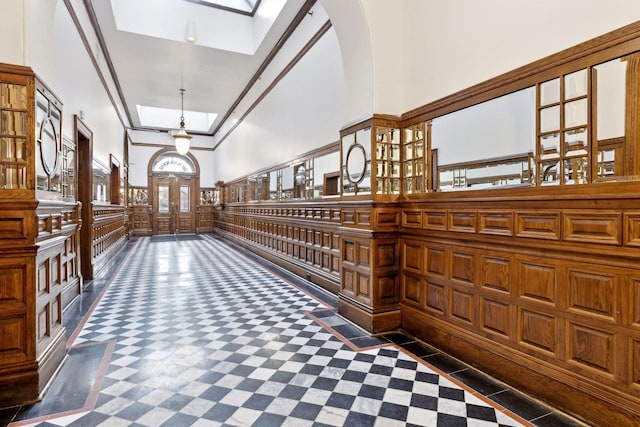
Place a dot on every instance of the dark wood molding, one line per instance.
(275, 81)
(306, 7)
(85, 42)
(107, 57)
(145, 144)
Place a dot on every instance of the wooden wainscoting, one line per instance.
(205, 218)
(108, 234)
(543, 292)
(303, 237)
(140, 220)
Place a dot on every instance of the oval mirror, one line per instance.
(48, 146)
(356, 163)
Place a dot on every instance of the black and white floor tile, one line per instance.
(192, 332)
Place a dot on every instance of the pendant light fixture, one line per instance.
(181, 137)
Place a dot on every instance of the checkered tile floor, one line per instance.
(197, 334)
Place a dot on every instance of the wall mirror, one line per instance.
(609, 79)
(488, 144)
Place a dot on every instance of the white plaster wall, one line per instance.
(139, 156)
(351, 27)
(453, 44)
(13, 33)
(304, 111)
(59, 58)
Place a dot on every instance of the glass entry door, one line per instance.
(173, 205)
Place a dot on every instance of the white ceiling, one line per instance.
(151, 69)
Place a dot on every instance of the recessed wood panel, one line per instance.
(538, 330)
(412, 218)
(635, 364)
(592, 292)
(635, 302)
(386, 255)
(346, 285)
(463, 267)
(593, 228)
(413, 257)
(348, 217)
(348, 252)
(387, 218)
(590, 347)
(363, 255)
(411, 289)
(55, 270)
(461, 306)
(388, 289)
(539, 225)
(56, 310)
(632, 229)
(12, 282)
(435, 261)
(538, 282)
(435, 220)
(496, 273)
(436, 297)
(495, 316)
(13, 333)
(464, 222)
(44, 322)
(43, 277)
(364, 286)
(363, 218)
(498, 223)
(12, 228)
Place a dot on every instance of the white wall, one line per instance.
(304, 111)
(59, 58)
(13, 37)
(451, 45)
(139, 156)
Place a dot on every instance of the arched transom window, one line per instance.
(173, 162)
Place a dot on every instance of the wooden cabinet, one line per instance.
(39, 223)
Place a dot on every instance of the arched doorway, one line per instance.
(174, 182)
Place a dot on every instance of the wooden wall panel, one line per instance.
(412, 289)
(631, 229)
(412, 257)
(412, 218)
(498, 223)
(591, 227)
(635, 363)
(538, 282)
(462, 306)
(537, 329)
(495, 316)
(593, 292)
(435, 220)
(590, 347)
(462, 221)
(436, 261)
(463, 268)
(436, 298)
(496, 273)
(538, 225)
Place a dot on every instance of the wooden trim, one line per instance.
(16, 69)
(103, 46)
(272, 54)
(85, 42)
(145, 144)
(275, 81)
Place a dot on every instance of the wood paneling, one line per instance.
(592, 292)
(590, 347)
(537, 329)
(538, 282)
(498, 223)
(591, 227)
(538, 225)
(496, 273)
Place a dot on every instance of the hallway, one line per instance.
(189, 331)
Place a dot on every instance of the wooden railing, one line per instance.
(300, 236)
(108, 233)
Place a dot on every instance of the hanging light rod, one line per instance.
(181, 137)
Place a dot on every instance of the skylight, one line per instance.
(166, 118)
(247, 7)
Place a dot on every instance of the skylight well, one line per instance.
(166, 118)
